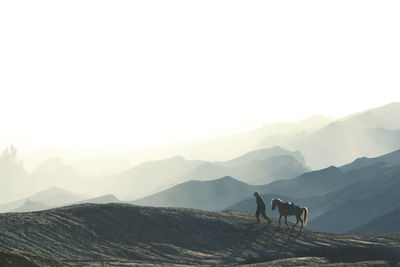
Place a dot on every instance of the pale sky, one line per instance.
(127, 73)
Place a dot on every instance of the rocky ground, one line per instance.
(15, 258)
(128, 235)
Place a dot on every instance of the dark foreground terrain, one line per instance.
(14, 258)
(127, 235)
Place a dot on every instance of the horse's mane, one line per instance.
(272, 200)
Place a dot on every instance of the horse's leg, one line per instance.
(297, 217)
(286, 221)
(301, 220)
(280, 220)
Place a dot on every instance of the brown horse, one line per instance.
(284, 211)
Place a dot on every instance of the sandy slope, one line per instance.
(123, 234)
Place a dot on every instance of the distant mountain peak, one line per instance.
(54, 190)
(227, 178)
(30, 205)
(177, 158)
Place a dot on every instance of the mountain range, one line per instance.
(52, 198)
(205, 195)
(322, 142)
(386, 223)
(255, 167)
(369, 133)
(339, 198)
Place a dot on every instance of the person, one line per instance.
(260, 208)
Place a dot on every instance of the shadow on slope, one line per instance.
(386, 223)
(178, 236)
(358, 203)
(14, 258)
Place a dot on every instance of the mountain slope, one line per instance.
(340, 199)
(390, 159)
(359, 203)
(14, 258)
(57, 197)
(206, 195)
(369, 133)
(4, 207)
(143, 235)
(307, 184)
(261, 154)
(386, 223)
(384, 116)
(224, 193)
(332, 178)
(101, 200)
(268, 170)
(29, 206)
(56, 173)
(241, 143)
(255, 171)
(257, 167)
(150, 176)
(51, 197)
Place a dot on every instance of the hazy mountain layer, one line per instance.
(223, 193)
(101, 200)
(386, 223)
(368, 189)
(258, 167)
(369, 133)
(205, 195)
(12, 176)
(144, 235)
(29, 205)
(51, 198)
(333, 178)
(359, 203)
(261, 154)
(100, 162)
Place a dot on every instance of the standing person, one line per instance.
(260, 208)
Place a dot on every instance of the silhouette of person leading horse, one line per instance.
(285, 209)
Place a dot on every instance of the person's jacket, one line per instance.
(260, 203)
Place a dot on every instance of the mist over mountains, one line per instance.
(340, 199)
(256, 167)
(154, 133)
(51, 198)
(346, 172)
(282, 168)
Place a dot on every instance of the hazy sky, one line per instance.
(123, 73)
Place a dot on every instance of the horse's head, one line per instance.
(273, 203)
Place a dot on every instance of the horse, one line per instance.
(283, 211)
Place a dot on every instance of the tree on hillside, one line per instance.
(9, 160)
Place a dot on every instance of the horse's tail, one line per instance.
(305, 215)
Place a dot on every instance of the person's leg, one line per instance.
(265, 216)
(258, 216)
